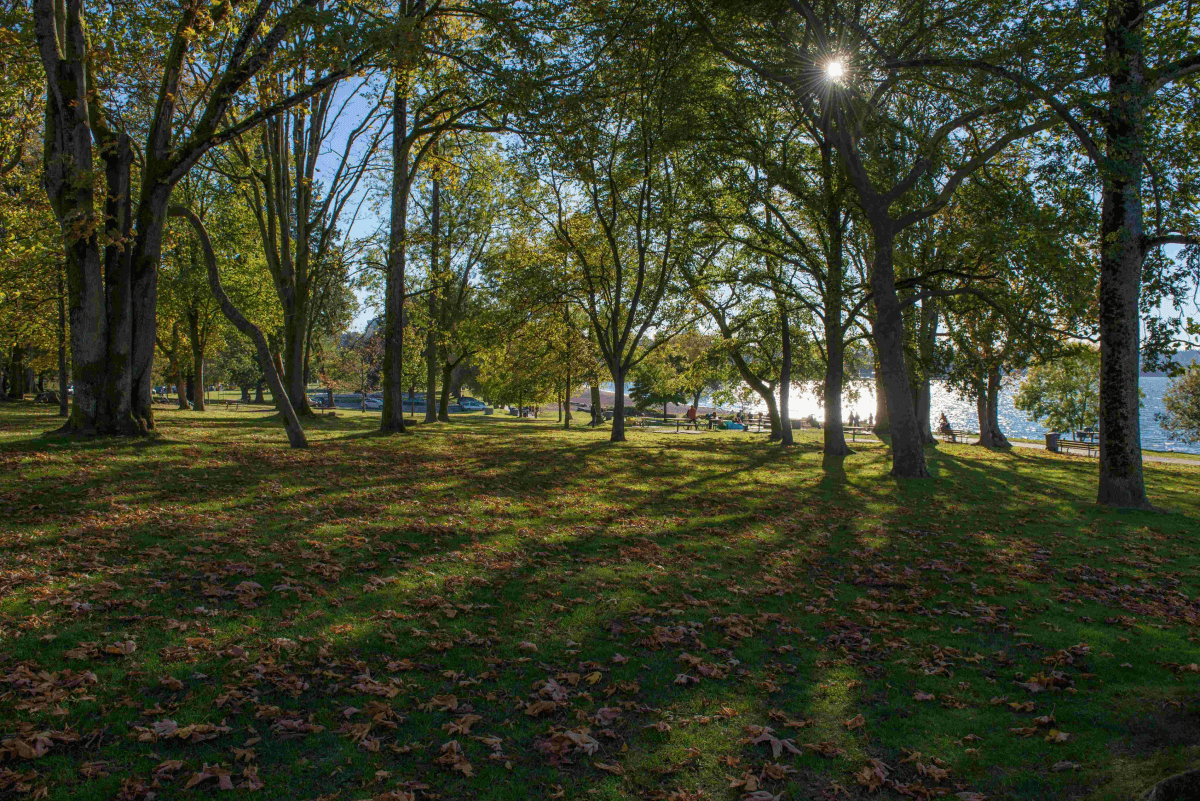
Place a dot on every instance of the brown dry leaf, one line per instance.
(856, 722)
(613, 768)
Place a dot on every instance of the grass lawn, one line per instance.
(495, 608)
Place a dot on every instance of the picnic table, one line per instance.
(856, 430)
(958, 436)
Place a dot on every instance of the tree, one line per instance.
(658, 381)
(1063, 394)
(112, 248)
(895, 134)
(1182, 402)
(299, 189)
(1120, 84)
(622, 209)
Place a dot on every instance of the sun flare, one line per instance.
(835, 70)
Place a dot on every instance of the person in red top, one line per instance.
(691, 416)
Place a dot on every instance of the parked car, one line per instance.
(471, 405)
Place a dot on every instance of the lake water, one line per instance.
(961, 413)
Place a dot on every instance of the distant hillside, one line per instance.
(1184, 357)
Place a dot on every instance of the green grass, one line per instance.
(313, 611)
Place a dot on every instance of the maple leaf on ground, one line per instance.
(872, 775)
(224, 780)
(765, 734)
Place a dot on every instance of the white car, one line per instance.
(471, 405)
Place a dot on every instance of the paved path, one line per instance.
(1146, 457)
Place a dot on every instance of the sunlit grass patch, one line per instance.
(353, 608)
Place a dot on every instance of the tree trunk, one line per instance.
(618, 426)
(258, 391)
(993, 410)
(927, 331)
(567, 407)
(883, 424)
(431, 333)
(1121, 256)
(191, 387)
(245, 388)
(295, 433)
(597, 412)
(835, 364)
(444, 401)
(908, 456)
(197, 361)
(16, 373)
(763, 390)
(785, 384)
(64, 408)
(295, 337)
(392, 419)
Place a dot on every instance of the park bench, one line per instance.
(1087, 446)
(230, 403)
(957, 436)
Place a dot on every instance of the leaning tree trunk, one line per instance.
(291, 421)
(393, 315)
(785, 384)
(1121, 256)
(761, 388)
(908, 456)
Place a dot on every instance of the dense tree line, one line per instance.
(679, 198)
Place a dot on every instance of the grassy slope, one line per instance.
(396, 572)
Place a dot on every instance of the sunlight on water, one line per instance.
(961, 413)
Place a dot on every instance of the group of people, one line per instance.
(856, 420)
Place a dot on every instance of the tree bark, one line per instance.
(197, 345)
(908, 456)
(64, 407)
(927, 331)
(597, 412)
(618, 425)
(785, 383)
(443, 413)
(431, 415)
(1122, 483)
(245, 388)
(393, 315)
(833, 436)
(259, 397)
